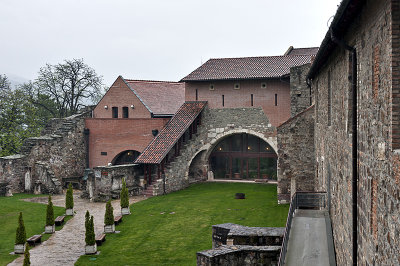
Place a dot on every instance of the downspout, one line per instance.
(308, 81)
(354, 181)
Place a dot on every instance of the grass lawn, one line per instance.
(170, 229)
(34, 215)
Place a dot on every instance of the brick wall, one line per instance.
(378, 188)
(113, 136)
(233, 98)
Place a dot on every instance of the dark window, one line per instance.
(115, 112)
(125, 112)
(223, 100)
(251, 99)
(103, 153)
(197, 95)
(276, 99)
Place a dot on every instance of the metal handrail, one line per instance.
(300, 199)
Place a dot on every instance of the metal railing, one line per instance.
(300, 200)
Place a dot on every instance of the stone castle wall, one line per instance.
(300, 93)
(379, 174)
(296, 155)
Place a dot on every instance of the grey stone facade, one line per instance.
(375, 35)
(192, 163)
(296, 155)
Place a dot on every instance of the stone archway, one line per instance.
(201, 157)
(125, 157)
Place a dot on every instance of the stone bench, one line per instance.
(100, 239)
(59, 220)
(117, 219)
(34, 239)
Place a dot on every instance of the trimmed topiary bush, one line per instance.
(124, 195)
(89, 234)
(50, 213)
(20, 237)
(109, 215)
(87, 219)
(27, 257)
(69, 199)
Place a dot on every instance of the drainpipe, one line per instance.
(354, 181)
(308, 81)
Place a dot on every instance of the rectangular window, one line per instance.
(329, 99)
(197, 95)
(103, 153)
(115, 112)
(251, 96)
(223, 100)
(125, 112)
(276, 99)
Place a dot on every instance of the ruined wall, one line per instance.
(296, 155)
(300, 93)
(215, 125)
(105, 183)
(378, 185)
(44, 161)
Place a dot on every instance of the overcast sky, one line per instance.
(153, 39)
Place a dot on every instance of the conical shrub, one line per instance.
(69, 198)
(89, 233)
(109, 215)
(124, 195)
(50, 213)
(27, 257)
(20, 237)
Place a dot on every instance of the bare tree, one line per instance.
(71, 85)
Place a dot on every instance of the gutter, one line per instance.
(354, 181)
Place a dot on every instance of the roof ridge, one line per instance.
(151, 81)
(267, 56)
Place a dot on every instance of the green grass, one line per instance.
(170, 229)
(34, 215)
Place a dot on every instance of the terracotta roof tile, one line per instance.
(161, 97)
(303, 51)
(247, 67)
(155, 152)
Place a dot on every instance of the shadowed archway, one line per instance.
(125, 157)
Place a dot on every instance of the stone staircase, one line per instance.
(149, 191)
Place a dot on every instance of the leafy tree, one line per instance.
(89, 233)
(109, 215)
(71, 85)
(20, 237)
(27, 260)
(49, 212)
(69, 199)
(124, 195)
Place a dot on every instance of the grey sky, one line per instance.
(153, 39)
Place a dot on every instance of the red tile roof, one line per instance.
(247, 67)
(302, 51)
(155, 152)
(160, 97)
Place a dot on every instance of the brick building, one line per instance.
(359, 166)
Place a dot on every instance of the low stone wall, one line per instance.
(12, 171)
(105, 183)
(234, 234)
(239, 255)
(296, 155)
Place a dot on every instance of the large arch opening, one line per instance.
(243, 156)
(125, 157)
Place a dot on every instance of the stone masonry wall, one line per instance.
(44, 161)
(300, 93)
(379, 174)
(215, 125)
(296, 155)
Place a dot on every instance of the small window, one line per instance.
(212, 87)
(263, 85)
(115, 112)
(197, 95)
(236, 86)
(223, 100)
(276, 99)
(251, 96)
(125, 112)
(103, 153)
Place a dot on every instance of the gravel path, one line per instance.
(64, 247)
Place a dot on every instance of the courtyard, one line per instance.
(161, 230)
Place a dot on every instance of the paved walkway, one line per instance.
(64, 247)
(309, 241)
